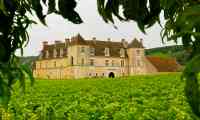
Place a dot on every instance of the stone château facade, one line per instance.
(78, 58)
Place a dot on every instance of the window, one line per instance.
(138, 52)
(107, 52)
(122, 52)
(61, 52)
(46, 64)
(92, 62)
(107, 62)
(113, 63)
(47, 54)
(54, 53)
(72, 60)
(82, 61)
(139, 63)
(92, 51)
(90, 74)
(82, 49)
(65, 52)
(54, 63)
(122, 63)
(58, 52)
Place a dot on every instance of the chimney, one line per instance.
(94, 39)
(123, 40)
(57, 42)
(67, 40)
(45, 43)
(141, 40)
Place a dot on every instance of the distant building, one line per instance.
(78, 58)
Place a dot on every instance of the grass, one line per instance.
(151, 97)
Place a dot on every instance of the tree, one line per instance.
(182, 23)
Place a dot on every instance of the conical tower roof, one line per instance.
(135, 44)
(78, 40)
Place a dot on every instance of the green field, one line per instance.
(153, 97)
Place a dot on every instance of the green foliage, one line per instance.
(182, 22)
(14, 21)
(136, 10)
(153, 97)
(191, 74)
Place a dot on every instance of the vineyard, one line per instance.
(152, 97)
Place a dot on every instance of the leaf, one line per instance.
(37, 7)
(66, 9)
(192, 90)
(28, 71)
(51, 6)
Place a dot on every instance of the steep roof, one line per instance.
(78, 40)
(114, 47)
(164, 64)
(135, 44)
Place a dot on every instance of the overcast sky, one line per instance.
(93, 26)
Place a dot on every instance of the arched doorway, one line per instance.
(111, 75)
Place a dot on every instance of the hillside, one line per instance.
(28, 60)
(176, 51)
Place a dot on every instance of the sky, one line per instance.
(93, 26)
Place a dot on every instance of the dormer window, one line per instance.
(47, 54)
(55, 53)
(122, 52)
(61, 52)
(92, 51)
(107, 52)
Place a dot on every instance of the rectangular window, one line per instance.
(139, 63)
(92, 51)
(138, 52)
(92, 62)
(61, 52)
(122, 52)
(47, 54)
(113, 63)
(72, 60)
(82, 49)
(122, 63)
(54, 63)
(106, 62)
(107, 52)
(54, 53)
(82, 61)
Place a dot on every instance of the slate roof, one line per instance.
(164, 64)
(114, 47)
(135, 44)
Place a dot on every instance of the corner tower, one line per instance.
(136, 57)
(78, 55)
